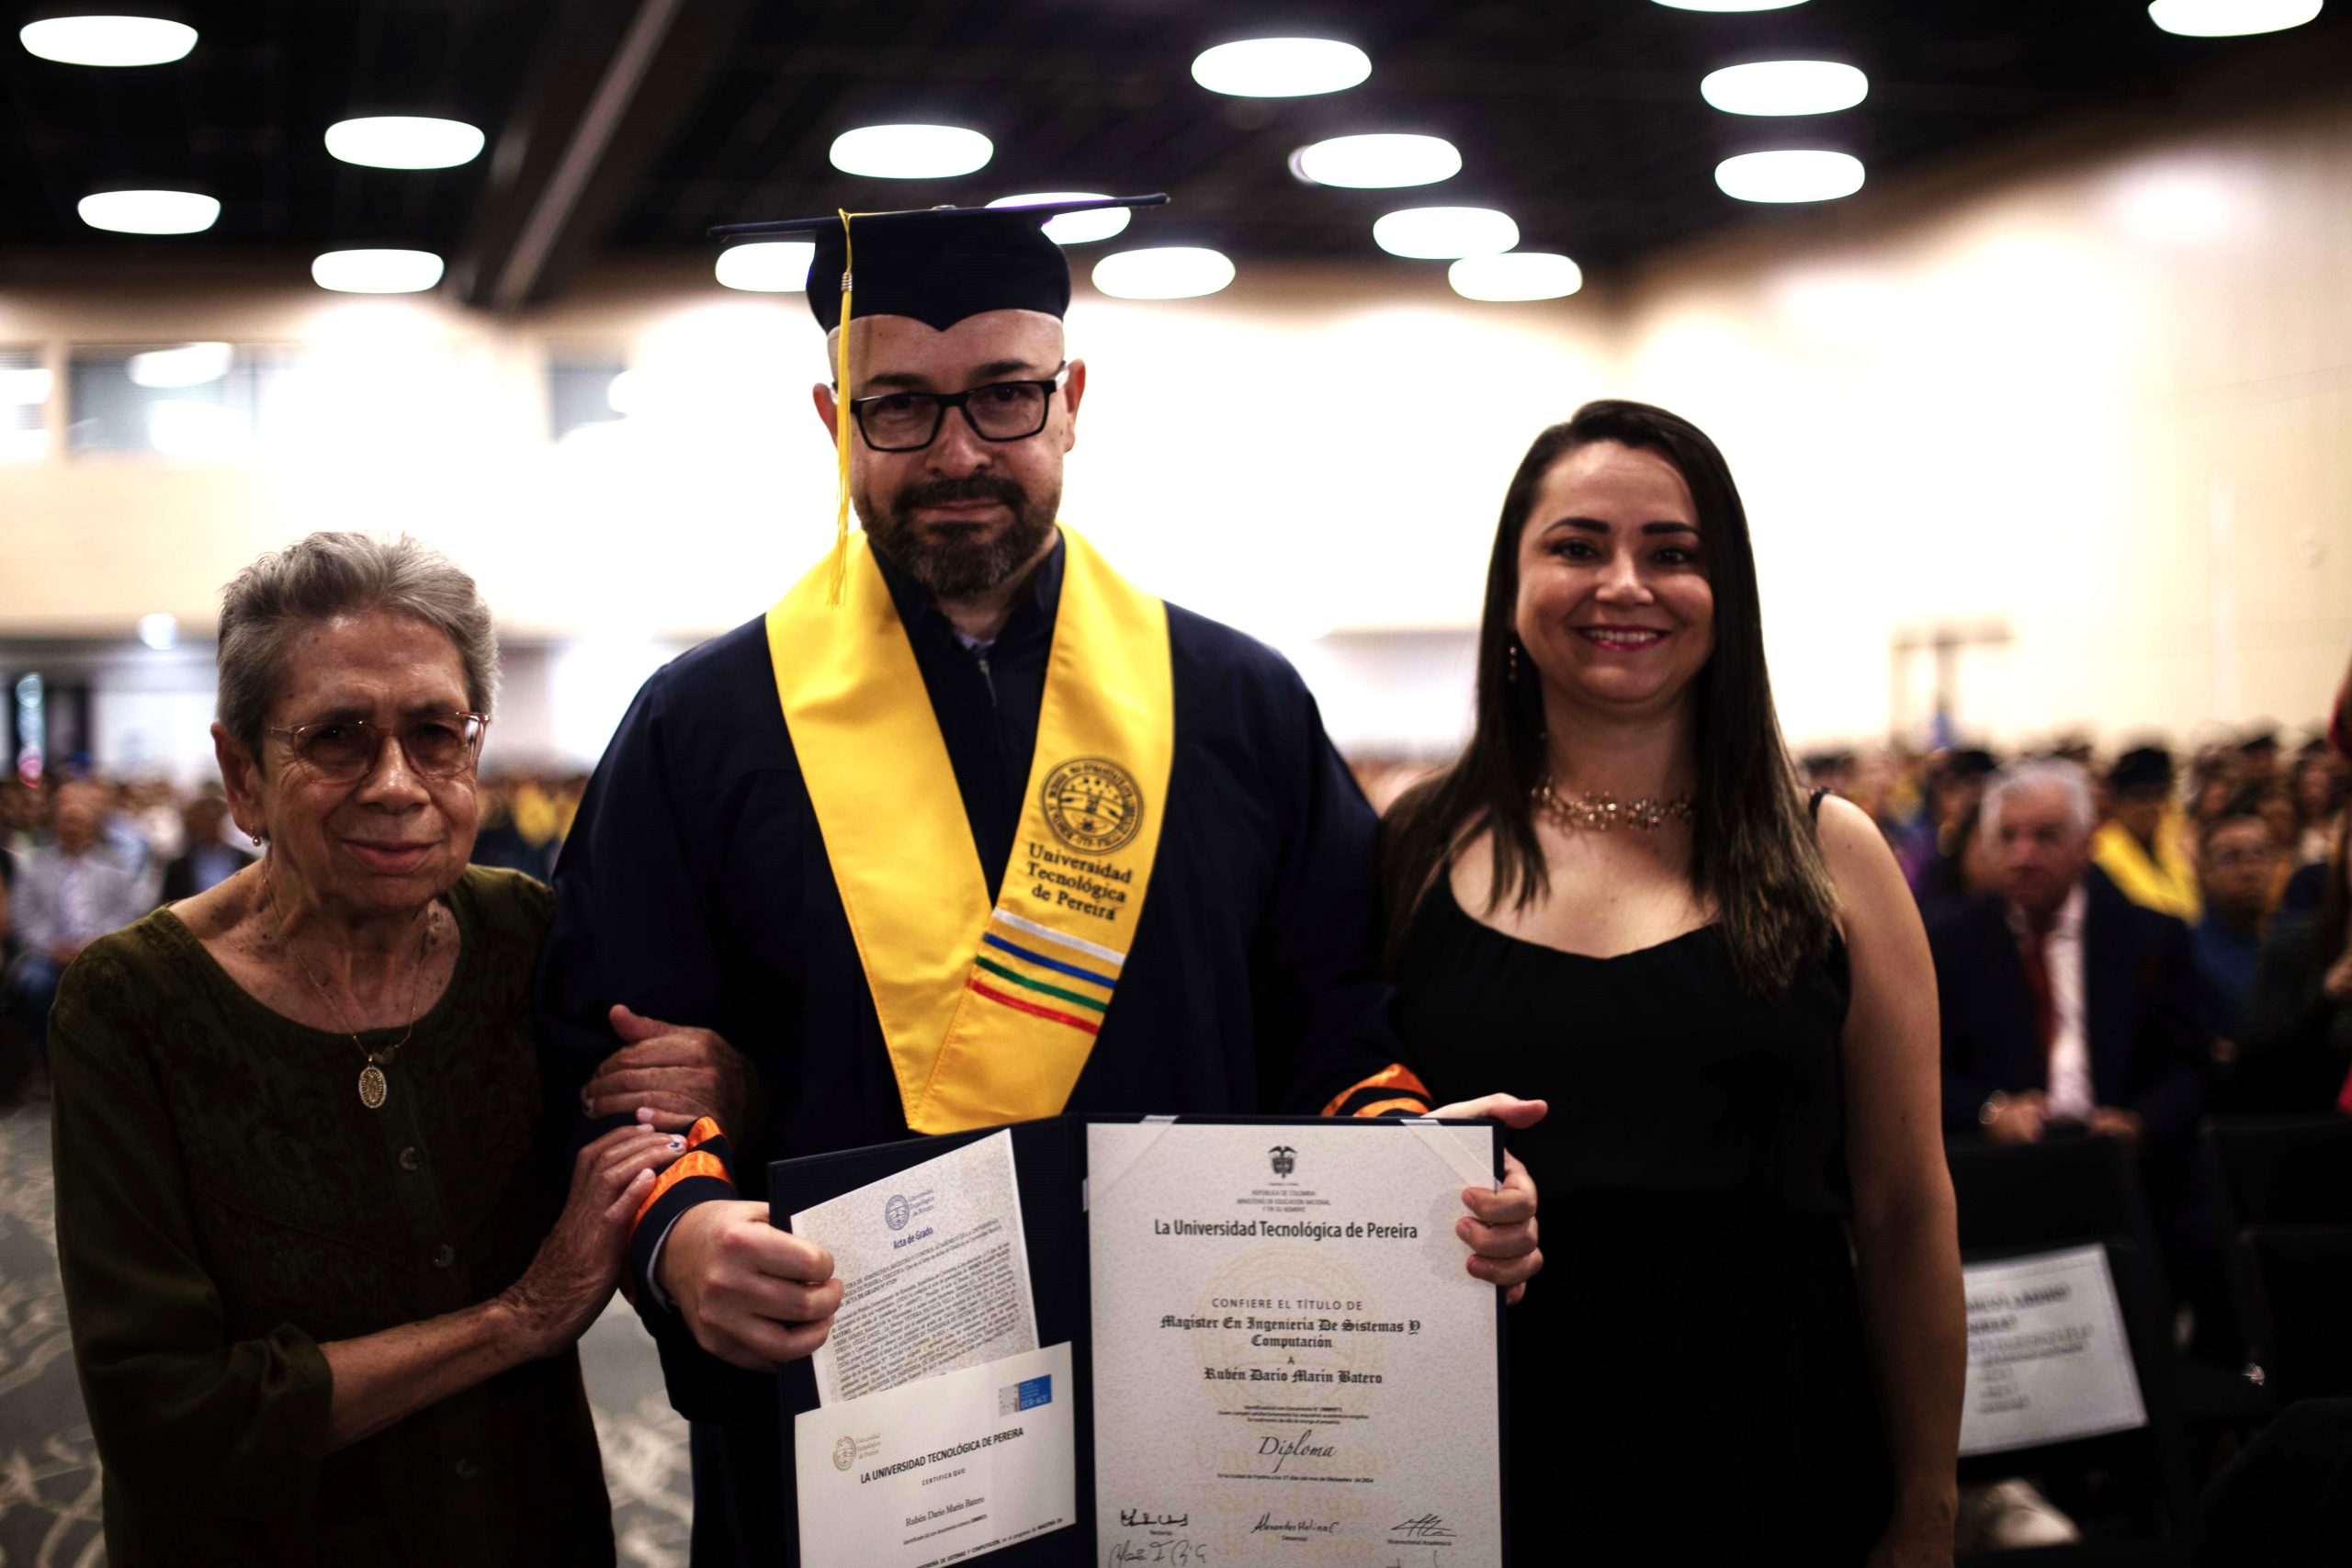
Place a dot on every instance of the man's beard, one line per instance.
(957, 561)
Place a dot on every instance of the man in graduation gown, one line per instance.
(964, 831)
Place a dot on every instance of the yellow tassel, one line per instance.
(842, 420)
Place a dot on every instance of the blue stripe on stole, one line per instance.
(1054, 964)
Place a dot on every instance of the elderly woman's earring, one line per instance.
(1511, 662)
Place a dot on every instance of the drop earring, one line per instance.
(1511, 662)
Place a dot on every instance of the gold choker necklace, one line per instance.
(1603, 812)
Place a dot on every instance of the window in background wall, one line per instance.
(24, 400)
(28, 727)
(204, 401)
(580, 392)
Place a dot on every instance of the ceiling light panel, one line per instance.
(1793, 176)
(1383, 161)
(108, 40)
(767, 267)
(404, 142)
(1729, 5)
(1443, 234)
(2230, 18)
(1280, 67)
(1785, 86)
(1073, 227)
(910, 151)
(149, 212)
(1162, 272)
(1515, 276)
(377, 271)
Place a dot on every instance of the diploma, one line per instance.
(1290, 1363)
(934, 1272)
(1261, 1347)
(939, 1471)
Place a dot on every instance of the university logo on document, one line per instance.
(844, 1453)
(1093, 805)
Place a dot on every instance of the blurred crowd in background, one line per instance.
(2235, 839)
(82, 855)
(2240, 839)
(2155, 809)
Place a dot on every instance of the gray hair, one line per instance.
(272, 602)
(2048, 773)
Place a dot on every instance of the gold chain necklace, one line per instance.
(1603, 812)
(373, 1088)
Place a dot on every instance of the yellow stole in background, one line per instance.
(989, 1012)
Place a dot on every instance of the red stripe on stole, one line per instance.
(1019, 1006)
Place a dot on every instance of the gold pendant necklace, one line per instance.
(374, 1087)
(1604, 812)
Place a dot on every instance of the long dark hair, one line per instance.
(1753, 850)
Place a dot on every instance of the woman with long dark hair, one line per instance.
(1619, 900)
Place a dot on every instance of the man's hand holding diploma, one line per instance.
(753, 1296)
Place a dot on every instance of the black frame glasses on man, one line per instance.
(436, 745)
(997, 411)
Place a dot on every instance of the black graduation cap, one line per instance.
(2141, 768)
(938, 265)
(1971, 762)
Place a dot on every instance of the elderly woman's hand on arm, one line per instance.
(382, 1377)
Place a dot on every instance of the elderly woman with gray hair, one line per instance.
(322, 1272)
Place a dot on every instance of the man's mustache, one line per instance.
(972, 487)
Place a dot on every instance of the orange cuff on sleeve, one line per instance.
(1405, 1092)
(694, 1162)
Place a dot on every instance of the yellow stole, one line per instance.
(989, 1012)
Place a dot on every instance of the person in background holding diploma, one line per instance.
(894, 843)
(322, 1271)
(1618, 898)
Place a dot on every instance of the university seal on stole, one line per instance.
(1093, 805)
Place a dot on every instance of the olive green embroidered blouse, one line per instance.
(225, 1204)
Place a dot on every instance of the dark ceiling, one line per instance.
(631, 126)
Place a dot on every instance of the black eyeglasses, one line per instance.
(437, 745)
(1002, 411)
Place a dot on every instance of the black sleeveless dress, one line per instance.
(1687, 1380)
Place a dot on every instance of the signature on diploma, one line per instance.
(1177, 1554)
(1426, 1526)
(1143, 1519)
(1294, 1527)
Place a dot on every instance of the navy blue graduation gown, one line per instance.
(695, 889)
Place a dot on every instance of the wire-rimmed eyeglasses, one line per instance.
(437, 745)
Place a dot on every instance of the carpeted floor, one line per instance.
(49, 1467)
